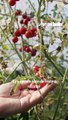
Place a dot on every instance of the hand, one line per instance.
(22, 100)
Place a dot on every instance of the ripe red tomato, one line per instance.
(32, 86)
(11, 2)
(33, 52)
(28, 34)
(27, 49)
(38, 74)
(21, 21)
(28, 18)
(17, 12)
(20, 49)
(36, 68)
(33, 29)
(42, 84)
(22, 30)
(24, 16)
(14, 39)
(17, 33)
(25, 21)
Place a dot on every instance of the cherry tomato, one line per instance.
(24, 16)
(28, 18)
(27, 49)
(36, 68)
(32, 86)
(25, 21)
(33, 29)
(17, 12)
(14, 39)
(42, 84)
(17, 33)
(11, 2)
(33, 52)
(28, 34)
(38, 74)
(22, 30)
(21, 21)
(20, 49)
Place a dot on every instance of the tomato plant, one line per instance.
(34, 42)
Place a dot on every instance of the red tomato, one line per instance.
(33, 52)
(17, 12)
(11, 2)
(28, 34)
(21, 21)
(33, 29)
(24, 16)
(20, 49)
(42, 84)
(17, 33)
(32, 86)
(38, 74)
(22, 30)
(14, 39)
(28, 18)
(27, 49)
(36, 68)
(25, 21)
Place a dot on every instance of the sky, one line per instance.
(22, 5)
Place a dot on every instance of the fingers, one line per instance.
(22, 84)
(38, 96)
(5, 89)
(49, 87)
(25, 93)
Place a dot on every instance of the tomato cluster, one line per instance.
(24, 30)
(28, 32)
(34, 86)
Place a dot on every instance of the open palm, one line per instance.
(23, 99)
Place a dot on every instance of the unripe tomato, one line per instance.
(14, 39)
(11, 2)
